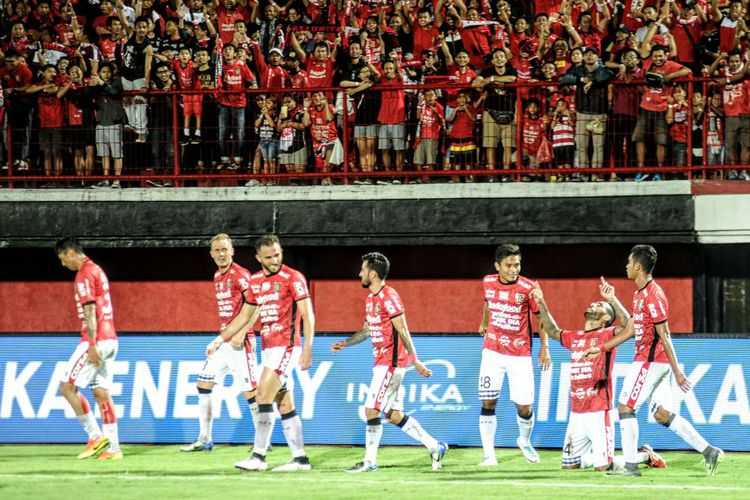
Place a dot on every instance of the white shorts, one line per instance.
(590, 434)
(282, 360)
(520, 377)
(81, 373)
(648, 381)
(385, 392)
(241, 363)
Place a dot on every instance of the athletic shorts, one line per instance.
(192, 105)
(426, 152)
(391, 137)
(365, 131)
(269, 149)
(520, 373)
(646, 381)
(51, 140)
(282, 360)
(589, 433)
(109, 141)
(651, 124)
(386, 393)
(241, 363)
(298, 157)
(81, 373)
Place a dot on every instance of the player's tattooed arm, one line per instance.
(399, 323)
(662, 330)
(607, 292)
(546, 321)
(305, 308)
(355, 339)
(89, 316)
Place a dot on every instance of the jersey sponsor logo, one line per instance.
(652, 310)
(299, 288)
(390, 307)
(636, 391)
(490, 294)
(519, 343)
(503, 307)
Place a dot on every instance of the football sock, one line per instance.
(487, 429)
(197, 132)
(525, 426)
(629, 434)
(373, 434)
(687, 432)
(253, 412)
(186, 131)
(291, 424)
(87, 419)
(109, 425)
(411, 427)
(205, 418)
(266, 420)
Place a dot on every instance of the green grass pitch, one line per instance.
(32, 472)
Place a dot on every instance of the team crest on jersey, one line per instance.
(520, 298)
(594, 342)
(277, 287)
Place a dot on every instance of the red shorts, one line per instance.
(192, 105)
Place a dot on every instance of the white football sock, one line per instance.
(525, 426)
(687, 432)
(629, 435)
(373, 434)
(415, 431)
(205, 417)
(89, 424)
(110, 430)
(618, 463)
(487, 429)
(292, 427)
(266, 421)
(253, 413)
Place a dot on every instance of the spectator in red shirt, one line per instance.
(327, 147)
(652, 116)
(431, 118)
(51, 119)
(462, 149)
(677, 117)
(424, 29)
(79, 116)
(232, 101)
(192, 105)
(227, 14)
(17, 77)
(624, 107)
(392, 118)
(320, 67)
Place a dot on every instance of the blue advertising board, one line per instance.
(156, 400)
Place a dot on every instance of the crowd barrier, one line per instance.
(168, 158)
(156, 400)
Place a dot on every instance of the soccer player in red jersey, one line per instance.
(92, 362)
(393, 349)
(273, 295)
(238, 356)
(655, 371)
(589, 438)
(507, 350)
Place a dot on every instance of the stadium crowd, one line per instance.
(94, 87)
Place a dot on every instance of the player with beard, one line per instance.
(393, 349)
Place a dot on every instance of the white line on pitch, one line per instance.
(378, 482)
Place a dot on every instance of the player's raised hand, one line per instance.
(422, 369)
(338, 346)
(606, 290)
(682, 381)
(305, 360)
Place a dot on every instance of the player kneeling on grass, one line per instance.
(92, 362)
(385, 324)
(589, 438)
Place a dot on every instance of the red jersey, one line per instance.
(424, 38)
(392, 108)
(727, 34)
(92, 287)
(457, 76)
(233, 78)
(679, 129)
(591, 385)
(186, 75)
(321, 129)
(225, 20)
(230, 287)
(380, 309)
(650, 307)
(50, 111)
(320, 74)
(533, 131)
(734, 96)
(510, 307)
(431, 121)
(463, 124)
(276, 295)
(655, 99)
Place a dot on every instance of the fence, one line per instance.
(156, 400)
(233, 150)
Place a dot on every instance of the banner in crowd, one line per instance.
(156, 399)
